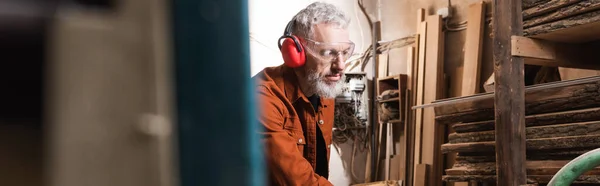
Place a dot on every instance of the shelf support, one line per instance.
(557, 54)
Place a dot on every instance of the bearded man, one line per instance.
(297, 98)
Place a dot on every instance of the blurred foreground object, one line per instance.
(108, 102)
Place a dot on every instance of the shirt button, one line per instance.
(321, 122)
(300, 140)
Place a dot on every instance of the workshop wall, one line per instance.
(398, 19)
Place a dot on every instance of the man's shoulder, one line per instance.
(268, 86)
(268, 77)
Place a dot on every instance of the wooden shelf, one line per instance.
(394, 82)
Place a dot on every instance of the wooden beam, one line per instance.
(509, 95)
(473, 49)
(548, 53)
(571, 116)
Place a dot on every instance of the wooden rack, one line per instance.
(558, 34)
(393, 83)
(561, 33)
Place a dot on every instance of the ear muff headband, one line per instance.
(291, 49)
(288, 34)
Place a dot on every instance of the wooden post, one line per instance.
(509, 94)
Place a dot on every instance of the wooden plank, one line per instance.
(572, 116)
(531, 3)
(562, 130)
(561, 13)
(548, 100)
(546, 7)
(383, 64)
(433, 90)
(379, 149)
(413, 140)
(547, 53)
(407, 160)
(577, 29)
(462, 158)
(463, 178)
(570, 142)
(595, 179)
(421, 175)
(547, 167)
(474, 126)
(532, 155)
(564, 142)
(533, 178)
(469, 147)
(574, 73)
(410, 60)
(488, 85)
(556, 155)
(473, 49)
(472, 57)
(420, 94)
(388, 149)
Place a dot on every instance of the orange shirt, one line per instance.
(289, 128)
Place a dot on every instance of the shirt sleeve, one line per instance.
(285, 162)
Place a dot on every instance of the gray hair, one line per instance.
(316, 13)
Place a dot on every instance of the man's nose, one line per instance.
(339, 63)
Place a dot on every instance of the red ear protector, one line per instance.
(291, 49)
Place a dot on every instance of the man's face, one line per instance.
(326, 53)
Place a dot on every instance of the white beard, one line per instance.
(321, 88)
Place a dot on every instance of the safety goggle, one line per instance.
(329, 51)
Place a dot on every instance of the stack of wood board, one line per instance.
(564, 20)
(562, 122)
